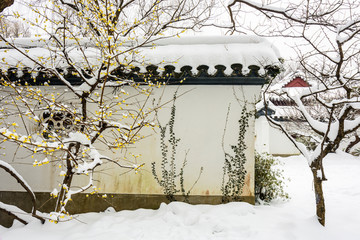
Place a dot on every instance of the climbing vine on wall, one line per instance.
(234, 171)
(171, 178)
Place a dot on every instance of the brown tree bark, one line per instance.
(319, 196)
(5, 3)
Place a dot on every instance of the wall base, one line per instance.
(96, 203)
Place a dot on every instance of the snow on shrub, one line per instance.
(269, 179)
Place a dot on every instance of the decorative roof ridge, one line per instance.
(247, 51)
(154, 74)
(292, 76)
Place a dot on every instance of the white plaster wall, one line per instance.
(200, 122)
(271, 140)
(262, 144)
(39, 178)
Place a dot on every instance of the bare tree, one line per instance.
(107, 109)
(327, 40)
(5, 26)
(20, 30)
(13, 28)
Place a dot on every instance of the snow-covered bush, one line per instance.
(269, 179)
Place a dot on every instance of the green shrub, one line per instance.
(269, 180)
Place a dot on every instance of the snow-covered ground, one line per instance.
(294, 219)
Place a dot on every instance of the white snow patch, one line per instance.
(78, 137)
(294, 219)
(17, 212)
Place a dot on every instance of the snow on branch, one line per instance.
(347, 31)
(13, 210)
(316, 125)
(8, 168)
(16, 212)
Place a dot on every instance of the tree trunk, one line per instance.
(5, 3)
(74, 148)
(67, 181)
(319, 196)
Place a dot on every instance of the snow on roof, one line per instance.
(285, 108)
(212, 51)
(289, 78)
(179, 52)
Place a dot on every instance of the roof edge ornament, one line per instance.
(167, 75)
